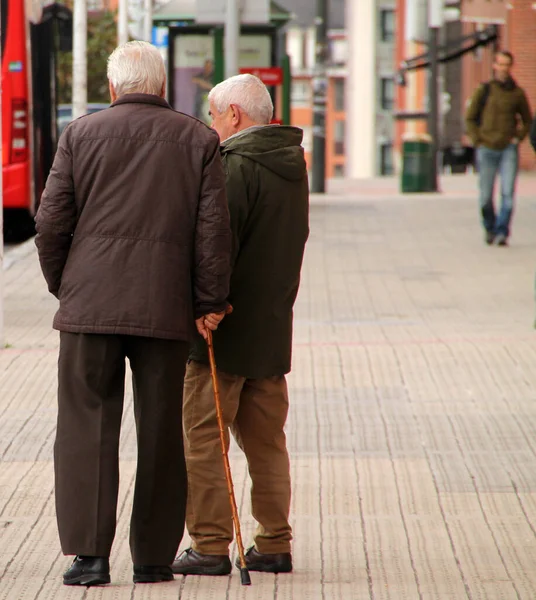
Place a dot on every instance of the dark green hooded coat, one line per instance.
(268, 196)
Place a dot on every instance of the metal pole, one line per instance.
(232, 33)
(320, 86)
(79, 58)
(435, 20)
(287, 82)
(148, 21)
(122, 22)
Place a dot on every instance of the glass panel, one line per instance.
(301, 93)
(338, 89)
(338, 171)
(386, 159)
(338, 138)
(388, 93)
(387, 23)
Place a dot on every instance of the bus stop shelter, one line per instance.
(194, 54)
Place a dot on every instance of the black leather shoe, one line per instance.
(88, 570)
(150, 574)
(267, 563)
(191, 562)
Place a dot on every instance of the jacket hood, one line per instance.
(276, 147)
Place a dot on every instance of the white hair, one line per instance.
(246, 91)
(136, 67)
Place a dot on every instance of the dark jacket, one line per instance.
(133, 227)
(267, 190)
(498, 123)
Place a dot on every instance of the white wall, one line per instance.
(361, 94)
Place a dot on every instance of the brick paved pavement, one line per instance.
(413, 416)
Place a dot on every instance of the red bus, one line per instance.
(28, 104)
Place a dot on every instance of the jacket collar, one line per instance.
(509, 84)
(141, 99)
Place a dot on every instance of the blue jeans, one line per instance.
(489, 163)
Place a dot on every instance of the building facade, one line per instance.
(484, 26)
(301, 49)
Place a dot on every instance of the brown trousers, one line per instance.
(86, 451)
(256, 411)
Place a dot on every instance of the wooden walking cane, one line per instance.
(244, 573)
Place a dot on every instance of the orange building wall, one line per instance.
(303, 117)
(332, 159)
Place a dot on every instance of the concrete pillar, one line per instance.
(122, 22)
(361, 92)
(232, 35)
(79, 58)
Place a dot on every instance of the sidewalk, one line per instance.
(450, 186)
(413, 417)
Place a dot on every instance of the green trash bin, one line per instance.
(417, 165)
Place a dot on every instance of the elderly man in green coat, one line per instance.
(267, 191)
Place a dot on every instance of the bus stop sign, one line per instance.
(268, 75)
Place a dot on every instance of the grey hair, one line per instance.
(246, 91)
(136, 67)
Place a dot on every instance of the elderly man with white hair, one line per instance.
(267, 191)
(134, 241)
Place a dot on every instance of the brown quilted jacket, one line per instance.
(133, 227)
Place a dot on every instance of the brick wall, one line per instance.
(522, 36)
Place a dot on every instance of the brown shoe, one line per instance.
(191, 562)
(267, 563)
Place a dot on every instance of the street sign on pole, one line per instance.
(320, 90)
(214, 11)
(435, 21)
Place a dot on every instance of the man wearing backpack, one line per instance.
(493, 125)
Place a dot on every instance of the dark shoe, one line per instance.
(501, 240)
(489, 237)
(267, 563)
(149, 574)
(191, 562)
(88, 570)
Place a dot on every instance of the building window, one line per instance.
(386, 159)
(387, 93)
(387, 25)
(301, 93)
(338, 171)
(339, 138)
(338, 92)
